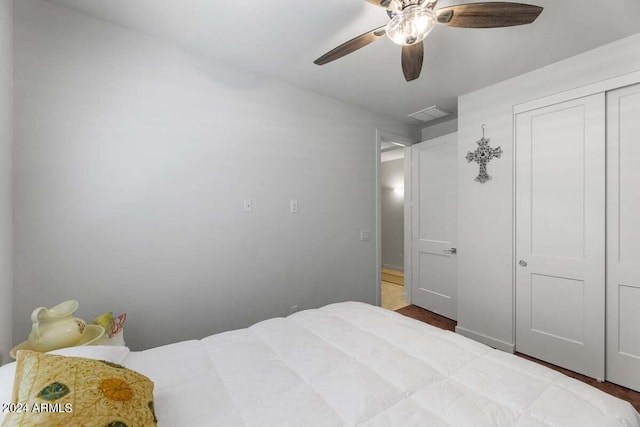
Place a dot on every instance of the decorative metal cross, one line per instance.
(483, 155)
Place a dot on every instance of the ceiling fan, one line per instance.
(412, 20)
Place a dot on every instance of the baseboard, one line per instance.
(393, 267)
(484, 339)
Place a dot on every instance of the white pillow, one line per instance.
(109, 353)
(7, 373)
(117, 340)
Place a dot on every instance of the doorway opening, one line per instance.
(391, 201)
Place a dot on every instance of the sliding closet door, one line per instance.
(623, 237)
(560, 234)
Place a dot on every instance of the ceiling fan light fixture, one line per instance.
(411, 25)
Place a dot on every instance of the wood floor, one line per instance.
(429, 317)
(392, 289)
(623, 393)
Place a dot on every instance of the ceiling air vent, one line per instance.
(428, 114)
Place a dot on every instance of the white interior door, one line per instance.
(434, 214)
(623, 237)
(560, 234)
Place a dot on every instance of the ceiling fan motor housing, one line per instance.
(411, 25)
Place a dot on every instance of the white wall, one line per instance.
(131, 164)
(392, 213)
(439, 129)
(485, 219)
(6, 137)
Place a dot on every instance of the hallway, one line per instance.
(392, 289)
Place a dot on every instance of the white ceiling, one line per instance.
(281, 38)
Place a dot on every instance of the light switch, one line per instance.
(294, 206)
(247, 206)
(365, 235)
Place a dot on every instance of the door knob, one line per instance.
(451, 251)
(523, 263)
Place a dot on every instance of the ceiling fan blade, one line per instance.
(488, 15)
(351, 46)
(412, 57)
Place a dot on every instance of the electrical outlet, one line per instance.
(294, 206)
(365, 235)
(247, 205)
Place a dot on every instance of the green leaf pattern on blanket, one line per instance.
(53, 391)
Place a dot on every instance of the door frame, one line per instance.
(580, 92)
(385, 136)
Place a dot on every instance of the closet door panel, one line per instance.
(623, 237)
(560, 234)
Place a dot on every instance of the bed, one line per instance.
(353, 364)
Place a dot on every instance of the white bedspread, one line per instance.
(355, 364)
